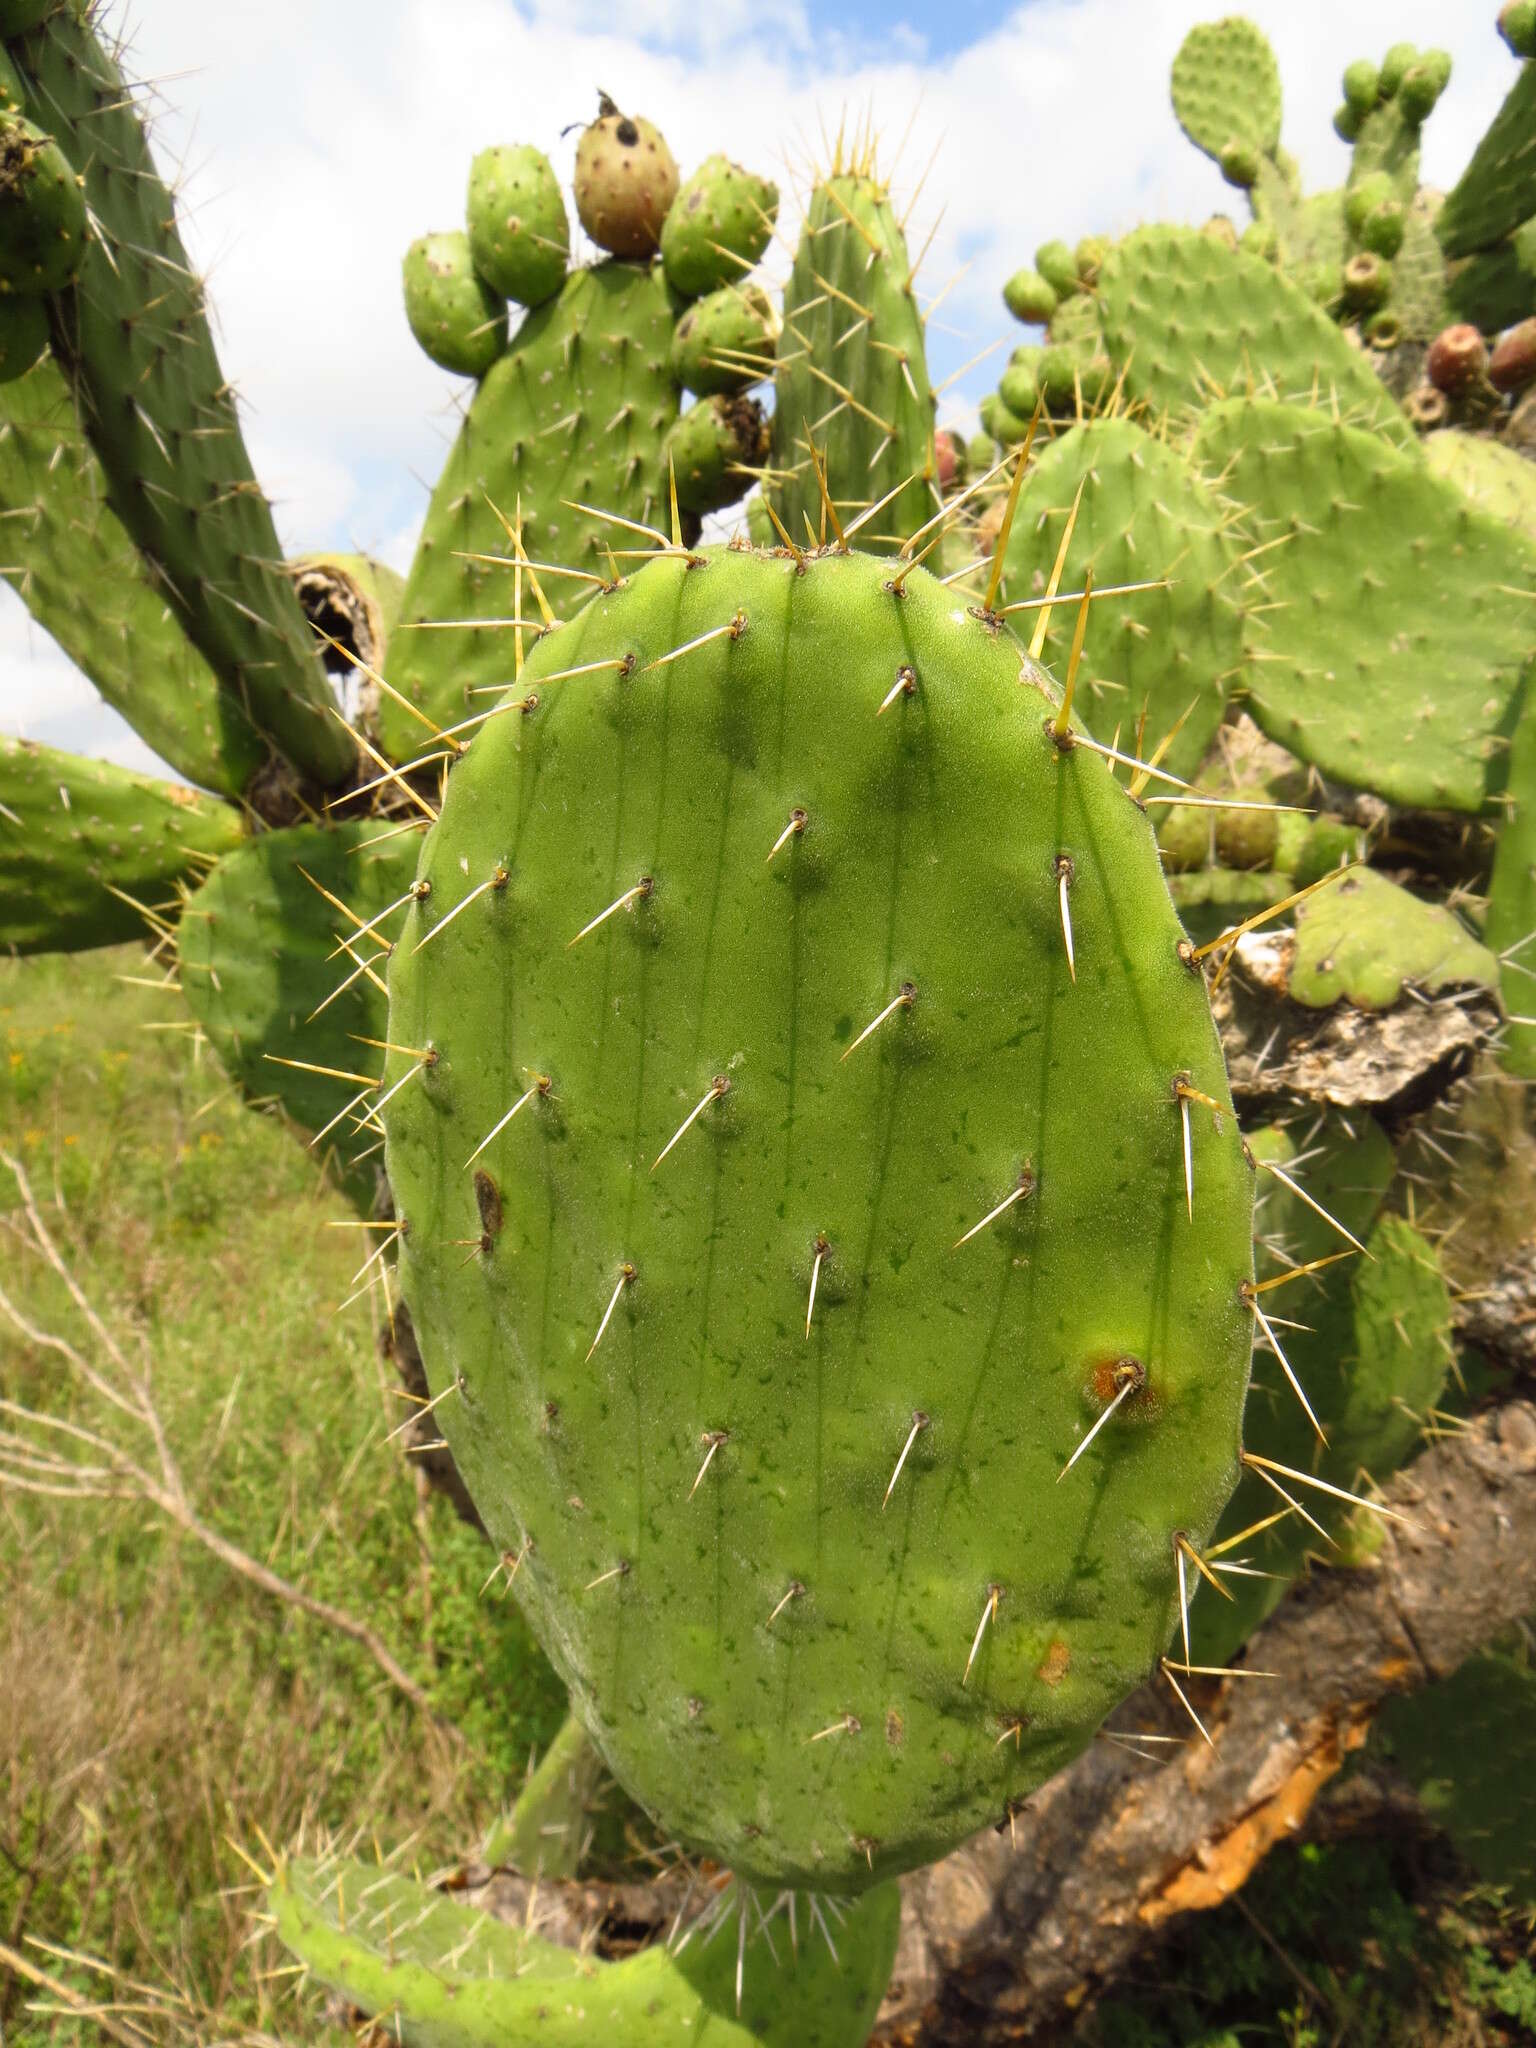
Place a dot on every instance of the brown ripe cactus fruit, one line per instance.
(625, 181)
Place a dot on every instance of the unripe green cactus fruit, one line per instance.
(717, 227)
(824, 1063)
(1055, 262)
(712, 448)
(1028, 297)
(725, 342)
(42, 210)
(1362, 83)
(456, 317)
(519, 237)
(625, 182)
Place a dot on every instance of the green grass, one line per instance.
(154, 1708)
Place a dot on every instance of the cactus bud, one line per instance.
(1365, 195)
(1517, 25)
(1367, 282)
(1384, 329)
(1421, 87)
(1239, 163)
(1058, 266)
(1362, 82)
(1089, 257)
(1019, 386)
(1346, 122)
(1396, 63)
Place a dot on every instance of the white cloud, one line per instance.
(322, 139)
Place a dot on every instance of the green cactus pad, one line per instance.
(713, 450)
(853, 371)
(725, 342)
(1170, 654)
(1363, 938)
(519, 236)
(717, 227)
(261, 951)
(1372, 1358)
(42, 210)
(1511, 926)
(23, 335)
(82, 578)
(1419, 279)
(457, 318)
(78, 837)
(1400, 618)
(1226, 87)
(1183, 316)
(1489, 475)
(1497, 190)
(800, 1650)
(133, 337)
(438, 1974)
(1468, 1747)
(1494, 288)
(576, 411)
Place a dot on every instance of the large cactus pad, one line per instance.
(686, 1372)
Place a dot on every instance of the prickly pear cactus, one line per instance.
(1155, 659)
(442, 1975)
(788, 1130)
(288, 985)
(133, 337)
(1497, 190)
(83, 845)
(853, 368)
(1429, 637)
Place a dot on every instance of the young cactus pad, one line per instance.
(439, 1974)
(794, 1035)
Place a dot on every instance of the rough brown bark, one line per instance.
(1007, 1938)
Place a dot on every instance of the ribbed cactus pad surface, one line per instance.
(1169, 655)
(1189, 318)
(1490, 476)
(1511, 927)
(1226, 87)
(574, 413)
(82, 577)
(261, 951)
(853, 371)
(133, 335)
(689, 1452)
(79, 837)
(1497, 190)
(439, 1974)
(1401, 618)
(1371, 1355)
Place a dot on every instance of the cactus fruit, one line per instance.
(717, 227)
(447, 1976)
(725, 342)
(1517, 25)
(1497, 190)
(457, 318)
(1164, 656)
(625, 182)
(81, 577)
(83, 844)
(1512, 364)
(696, 1485)
(1457, 360)
(1055, 262)
(1182, 315)
(519, 237)
(712, 450)
(1432, 636)
(284, 984)
(132, 336)
(42, 211)
(852, 378)
(1029, 298)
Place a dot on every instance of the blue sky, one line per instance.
(315, 141)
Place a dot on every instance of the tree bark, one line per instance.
(1011, 1936)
